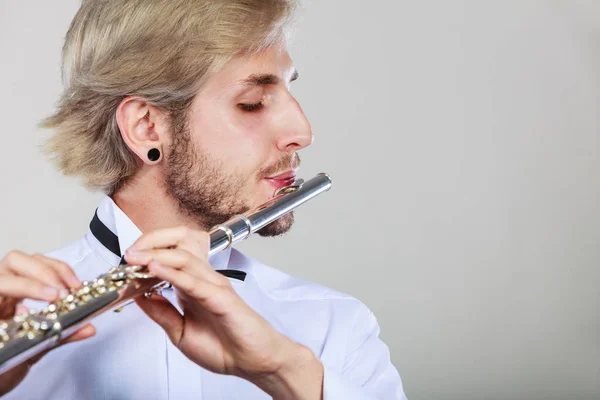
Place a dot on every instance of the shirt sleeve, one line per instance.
(368, 373)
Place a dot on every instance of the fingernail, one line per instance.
(141, 257)
(50, 293)
(132, 251)
(151, 274)
(21, 309)
(74, 282)
(63, 292)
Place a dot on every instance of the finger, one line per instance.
(210, 296)
(82, 333)
(8, 307)
(23, 265)
(194, 241)
(65, 272)
(161, 311)
(21, 309)
(21, 287)
(197, 243)
(178, 259)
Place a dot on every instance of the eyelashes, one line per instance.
(251, 107)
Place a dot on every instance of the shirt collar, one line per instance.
(119, 223)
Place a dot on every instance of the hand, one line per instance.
(218, 330)
(39, 278)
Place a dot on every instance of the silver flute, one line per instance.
(33, 332)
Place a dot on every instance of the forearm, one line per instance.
(300, 378)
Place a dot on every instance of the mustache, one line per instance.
(289, 161)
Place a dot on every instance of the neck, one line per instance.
(149, 205)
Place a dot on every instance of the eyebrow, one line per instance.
(266, 79)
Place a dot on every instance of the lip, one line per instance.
(286, 175)
(281, 180)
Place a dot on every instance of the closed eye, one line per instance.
(251, 107)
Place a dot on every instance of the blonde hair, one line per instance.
(160, 50)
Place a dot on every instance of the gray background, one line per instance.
(463, 140)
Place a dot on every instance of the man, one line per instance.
(180, 111)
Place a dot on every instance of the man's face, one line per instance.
(239, 146)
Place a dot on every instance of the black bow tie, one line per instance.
(111, 242)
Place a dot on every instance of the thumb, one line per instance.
(82, 333)
(161, 311)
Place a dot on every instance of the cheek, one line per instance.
(237, 141)
(249, 132)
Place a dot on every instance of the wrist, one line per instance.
(299, 376)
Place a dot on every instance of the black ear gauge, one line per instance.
(154, 154)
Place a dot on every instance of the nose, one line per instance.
(295, 132)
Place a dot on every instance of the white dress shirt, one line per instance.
(131, 357)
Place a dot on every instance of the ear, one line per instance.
(143, 127)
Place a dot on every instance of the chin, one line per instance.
(279, 227)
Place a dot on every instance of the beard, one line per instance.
(209, 195)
